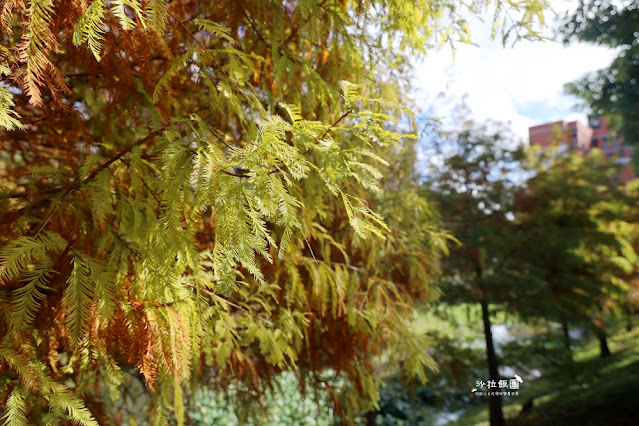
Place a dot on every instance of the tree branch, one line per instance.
(331, 127)
(95, 172)
(228, 302)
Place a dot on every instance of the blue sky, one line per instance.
(522, 85)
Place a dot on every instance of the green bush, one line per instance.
(284, 406)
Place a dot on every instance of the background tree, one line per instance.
(190, 189)
(573, 244)
(473, 181)
(612, 91)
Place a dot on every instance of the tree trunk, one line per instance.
(371, 418)
(604, 350)
(496, 413)
(600, 329)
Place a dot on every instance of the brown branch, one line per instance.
(180, 23)
(103, 166)
(15, 195)
(345, 265)
(145, 185)
(206, 53)
(243, 175)
(257, 32)
(228, 302)
(64, 253)
(150, 191)
(220, 139)
(115, 234)
(331, 127)
(125, 244)
(120, 154)
(234, 174)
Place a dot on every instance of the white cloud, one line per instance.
(521, 84)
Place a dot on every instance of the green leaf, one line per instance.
(214, 28)
(90, 28)
(157, 13)
(62, 400)
(9, 119)
(26, 299)
(15, 413)
(78, 296)
(119, 10)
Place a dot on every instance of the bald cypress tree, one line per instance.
(578, 240)
(193, 190)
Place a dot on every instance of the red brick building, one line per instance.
(583, 138)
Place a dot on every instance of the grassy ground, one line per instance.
(594, 392)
